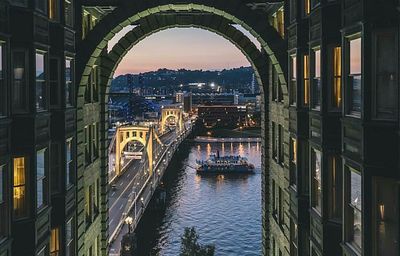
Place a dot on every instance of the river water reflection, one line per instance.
(226, 211)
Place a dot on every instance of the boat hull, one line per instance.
(225, 171)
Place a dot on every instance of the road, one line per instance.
(127, 185)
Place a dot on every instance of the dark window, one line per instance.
(56, 168)
(88, 159)
(69, 13)
(54, 82)
(3, 87)
(386, 214)
(354, 77)
(386, 81)
(3, 202)
(41, 179)
(69, 162)
(40, 81)
(293, 238)
(69, 238)
(20, 97)
(281, 144)
(41, 5)
(94, 141)
(335, 188)
(274, 141)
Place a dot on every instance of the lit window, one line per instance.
(55, 242)
(337, 78)
(293, 161)
(40, 81)
(69, 13)
(69, 238)
(293, 80)
(317, 79)
(19, 188)
(19, 90)
(69, 93)
(354, 77)
(41, 179)
(316, 195)
(3, 202)
(69, 168)
(3, 89)
(353, 218)
(307, 7)
(53, 9)
(306, 80)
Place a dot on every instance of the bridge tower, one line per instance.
(168, 112)
(147, 136)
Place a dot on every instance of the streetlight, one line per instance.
(129, 221)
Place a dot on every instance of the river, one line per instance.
(226, 211)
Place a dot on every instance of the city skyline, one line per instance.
(176, 48)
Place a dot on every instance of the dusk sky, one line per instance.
(189, 48)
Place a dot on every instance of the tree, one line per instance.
(190, 245)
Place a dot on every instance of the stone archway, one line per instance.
(149, 19)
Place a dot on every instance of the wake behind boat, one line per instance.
(217, 164)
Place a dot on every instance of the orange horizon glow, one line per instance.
(176, 48)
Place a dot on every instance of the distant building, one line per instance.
(187, 102)
(222, 116)
(179, 97)
(213, 98)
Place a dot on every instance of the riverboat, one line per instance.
(217, 164)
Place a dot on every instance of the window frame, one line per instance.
(25, 185)
(44, 81)
(69, 164)
(315, 183)
(69, 13)
(348, 207)
(4, 201)
(349, 92)
(44, 180)
(69, 84)
(56, 15)
(335, 78)
(306, 80)
(375, 73)
(70, 243)
(24, 100)
(4, 101)
(335, 185)
(293, 79)
(316, 98)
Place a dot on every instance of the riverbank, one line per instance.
(233, 133)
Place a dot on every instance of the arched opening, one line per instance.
(153, 19)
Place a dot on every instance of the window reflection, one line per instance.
(355, 76)
(355, 208)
